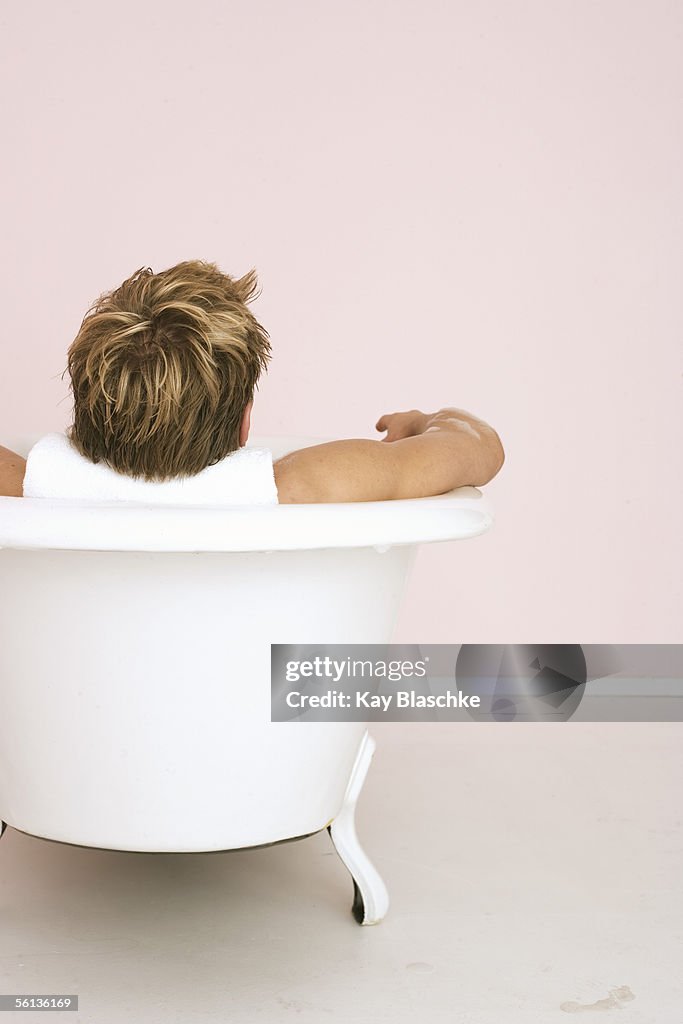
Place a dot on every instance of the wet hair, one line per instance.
(162, 369)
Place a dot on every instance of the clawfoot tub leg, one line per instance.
(370, 897)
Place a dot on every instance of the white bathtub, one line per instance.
(135, 666)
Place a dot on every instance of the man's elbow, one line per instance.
(494, 459)
(499, 454)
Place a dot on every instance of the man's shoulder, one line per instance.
(12, 469)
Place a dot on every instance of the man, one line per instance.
(163, 373)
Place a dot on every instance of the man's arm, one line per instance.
(12, 469)
(421, 455)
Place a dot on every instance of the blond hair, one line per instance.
(162, 369)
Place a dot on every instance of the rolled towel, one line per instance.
(56, 469)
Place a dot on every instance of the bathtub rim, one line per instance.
(71, 524)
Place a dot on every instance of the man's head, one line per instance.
(163, 371)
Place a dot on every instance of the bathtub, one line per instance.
(135, 666)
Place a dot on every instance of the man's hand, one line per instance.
(402, 424)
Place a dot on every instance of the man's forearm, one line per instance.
(448, 448)
(479, 443)
(478, 430)
(477, 451)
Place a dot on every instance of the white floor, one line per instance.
(535, 872)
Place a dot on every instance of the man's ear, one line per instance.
(245, 424)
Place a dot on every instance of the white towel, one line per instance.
(55, 469)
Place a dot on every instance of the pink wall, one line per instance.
(448, 203)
